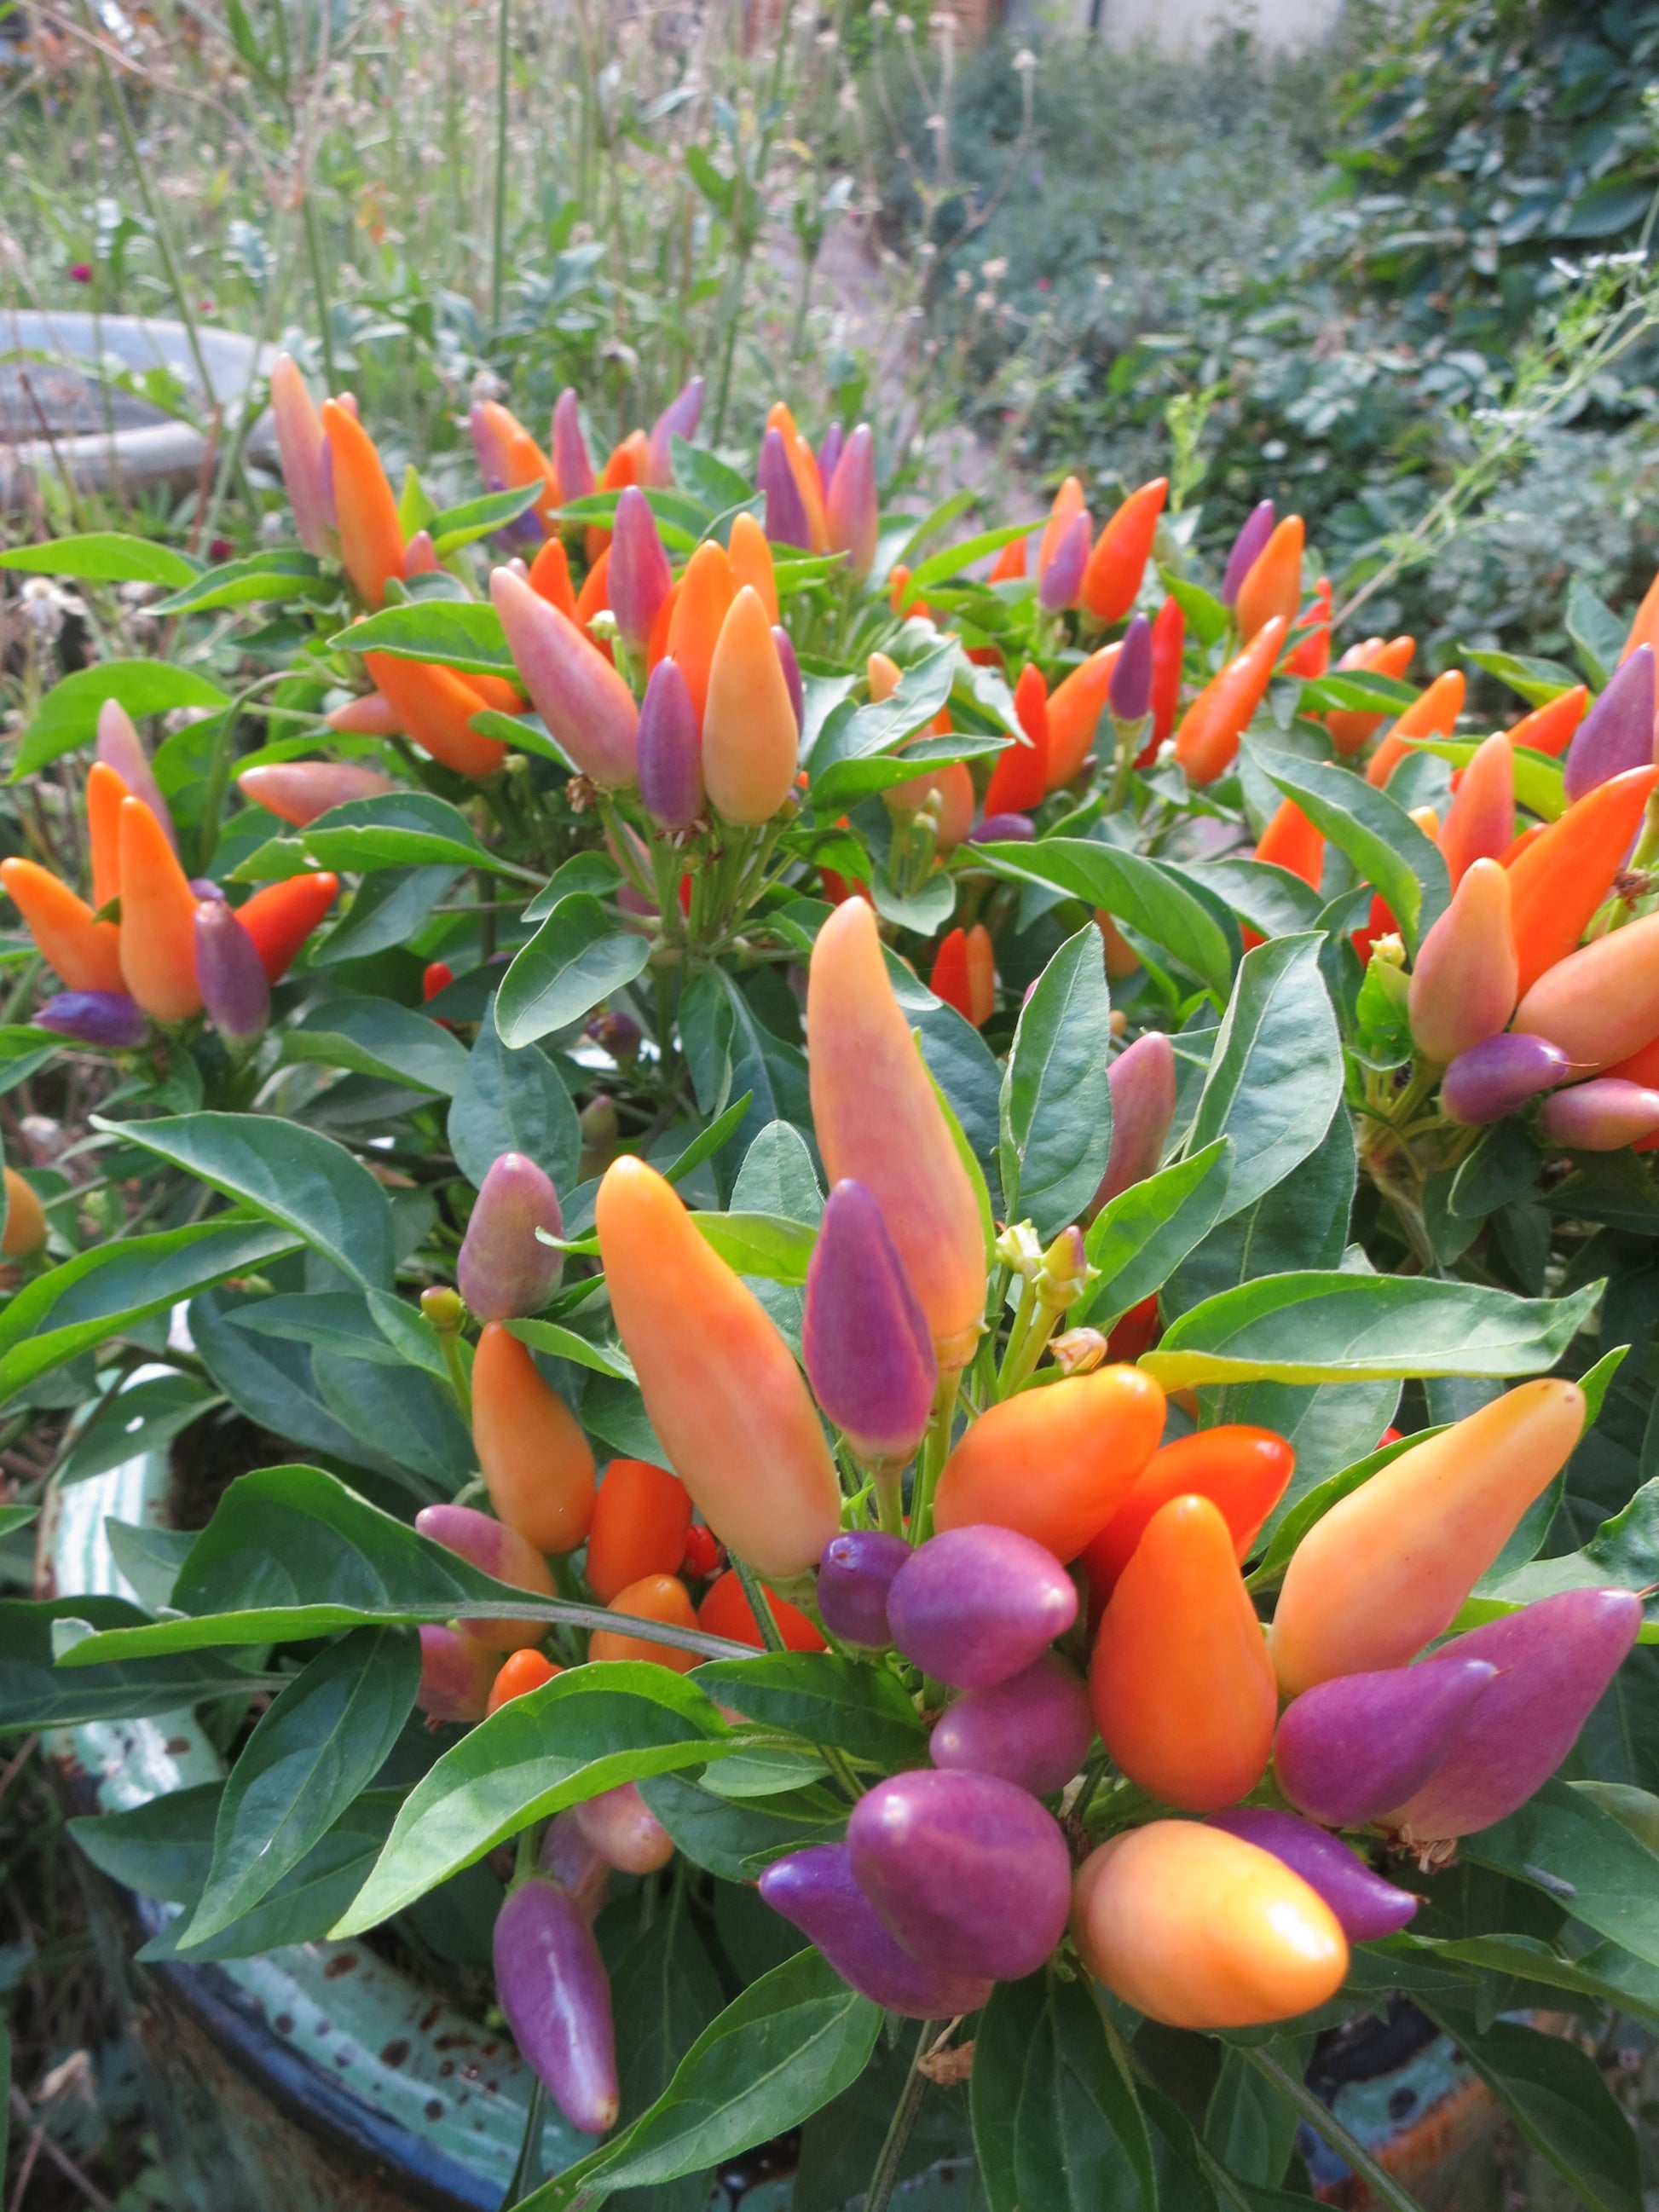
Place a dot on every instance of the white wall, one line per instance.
(1179, 25)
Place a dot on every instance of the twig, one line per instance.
(900, 2127)
(40, 2141)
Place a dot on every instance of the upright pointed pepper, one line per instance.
(852, 515)
(120, 745)
(1169, 644)
(1480, 822)
(1463, 983)
(1352, 728)
(786, 510)
(878, 1122)
(679, 419)
(831, 446)
(1021, 774)
(792, 679)
(868, 1353)
(1066, 507)
(281, 917)
(1129, 694)
(503, 1269)
(750, 557)
(1211, 726)
(1549, 728)
(234, 989)
(572, 464)
(371, 536)
(1312, 655)
(1143, 1086)
(105, 793)
(300, 448)
(1617, 733)
(749, 734)
(1255, 530)
(1559, 880)
(549, 578)
(158, 919)
(1601, 1003)
(669, 751)
(719, 1384)
(1075, 707)
(640, 576)
(1112, 579)
(578, 694)
(1273, 584)
(1290, 840)
(705, 594)
(1434, 715)
(1062, 574)
(535, 1461)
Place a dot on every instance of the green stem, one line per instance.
(1324, 2123)
(930, 1462)
(1024, 1315)
(498, 246)
(760, 1605)
(455, 1367)
(891, 2158)
(1130, 737)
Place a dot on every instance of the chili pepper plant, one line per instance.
(937, 1249)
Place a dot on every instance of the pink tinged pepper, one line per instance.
(975, 1605)
(1257, 530)
(1366, 1907)
(625, 1830)
(121, 748)
(1014, 829)
(786, 510)
(301, 447)
(816, 1890)
(578, 694)
(1129, 694)
(669, 756)
(457, 1675)
(105, 1017)
(489, 446)
(1143, 1087)
(969, 1871)
(230, 975)
(868, 1351)
(205, 888)
(1555, 1659)
(494, 1549)
(420, 556)
(1495, 1078)
(571, 462)
(638, 577)
(791, 667)
(1479, 824)
(551, 1984)
(504, 1271)
(1034, 1729)
(854, 1575)
(1602, 1115)
(371, 715)
(851, 510)
(1617, 733)
(829, 454)
(1464, 980)
(1062, 577)
(299, 790)
(1351, 1746)
(573, 1863)
(679, 419)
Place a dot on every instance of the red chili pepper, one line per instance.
(1021, 775)
(1312, 656)
(439, 976)
(702, 1554)
(949, 978)
(726, 1611)
(1169, 644)
(280, 918)
(640, 1517)
(1118, 563)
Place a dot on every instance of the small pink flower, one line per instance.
(1045, 283)
(81, 272)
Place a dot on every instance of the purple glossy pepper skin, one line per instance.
(1617, 733)
(1602, 1115)
(829, 454)
(1130, 692)
(552, 1986)
(205, 888)
(638, 577)
(1019, 829)
(669, 750)
(235, 990)
(1034, 1729)
(571, 462)
(1349, 1749)
(1143, 1086)
(618, 1032)
(120, 747)
(504, 1270)
(457, 1675)
(574, 1864)
(1257, 530)
(854, 1575)
(814, 1889)
(679, 419)
(973, 1606)
(1496, 1077)
(107, 1018)
(852, 514)
(786, 511)
(494, 1549)
(1554, 1660)
(1367, 1908)
(864, 1341)
(1061, 580)
(969, 1871)
(791, 667)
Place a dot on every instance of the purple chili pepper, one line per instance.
(786, 510)
(616, 1032)
(640, 577)
(1063, 577)
(235, 990)
(791, 667)
(1617, 733)
(1143, 1086)
(573, 1863)
(854, 1575)
(829, 454)
(504, 1270)
(1129, 694)
(1014, 829)
(1257, 530)
(107, 1017)
(852, 513)
(1603, 1115)
(1367, 1908)
(668, 751)
(814, 1889)
(205, 888)
(866, 1342)
(1495, 1078)
(571, 464)
(1348, 1749)
(679, 419)
(973, 1606)
(551, 1984)
(1033, 1729)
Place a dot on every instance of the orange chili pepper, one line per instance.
(750, 554)
(1169, 644)
(158, 919)
(1549, 728)
(748, 735)
(535, 1461)
(435, 706)
(1644, 630)
(804, 467)
(949, 978)
(84, 953)
(1211, 726)
(524, 1671)
(1480, 822)
(105, 792)
(495, 691)
(281, 917)
(1432, 715)
(1112, 579)
(703, 594)
(1180, 1684)
(1067, 506)
(1273, 583)
(1352, 727)
(368, 715)
(1559, 881)
(1075, 707)
(1121, 956)
(371, 536)
(26, 1218)
(1242, 1471)
(1290, 840)
(595, 592)
(641, 1519)
(524, 461)
(660, 629)
(1056, 1463)
(1312, 656)
(1528, 837)
(726, 1611)
(549, 577)
(981, 975)
(1021, 775)
(1007, 569)
(654, 1598)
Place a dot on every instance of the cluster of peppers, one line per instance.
(1017, 1542)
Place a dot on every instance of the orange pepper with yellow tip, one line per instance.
(703, 594)
(1208, 740)
(1180, 1684)
(536, 1462)
(371, 536)
(85, 953)
(1112, 579)
(158, 919)
(720, 1386)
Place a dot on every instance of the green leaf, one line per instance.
(385, 911)
(844, 782)
(513, 1102)
(1622, 1554)
(13, 1517)
(824, 1699)
(791, 2042)
(590, 1728)
(1275, 1077)
(68, 715)
(583, 872)
(103, 556)
(399, 1417)
(760, 1244)
(920, 693)
(1337, 1328)
(1562, 1842)
(1055, 2123)
(1538, 781)
(940, 567)
(1375, 832)
(738, 1842)
(664, 1993)
(463, 633)
(400, 829)
(1141, 1237)
(1597, 633)
(1355, 690)
(1249, 2126)
(35, 1692)
(1056, 1103)
(150, 1558)
(579, 957)
(292, 1175)
(313, 1752)
(377, 1037)
(276, 572)
(564, 1344)
(704, 1146)
(1555, 2094)
(476, 518)
(707, 478)
(270, 1380)
(160, 1849)
(145, 1417)
(1145, 895)
(1270, 898)
(1206, 617)
(1537, 682)
(104, 1291)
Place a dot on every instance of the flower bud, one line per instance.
(1033, 1729)
(230, 975)
(1258, 528)
(1602, 1115)
(868, 1353)
(1078, 1350)
(1495, 1078)
(1463, 981)
(571, 462)
(122, 748)
(105, 1017)
(816, 1890)
(1143, 1086)
(669, 750)
(551, 1984)
(1065, 1273)
(578, 694)
(443, 1309)
(1617, 733)
(679, 419)
(1129, 694)
(851, 510)
(455, 1673)
(975, 1605)
(1057, 588)
(504, 1270)
(625, 1830)
(1366, 1907)
(854, 1575)
(301, 447)
(791, 667)
(299, 790)
(1349, 1748)
(786, 510)
(638, 577)
(494, 1549)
